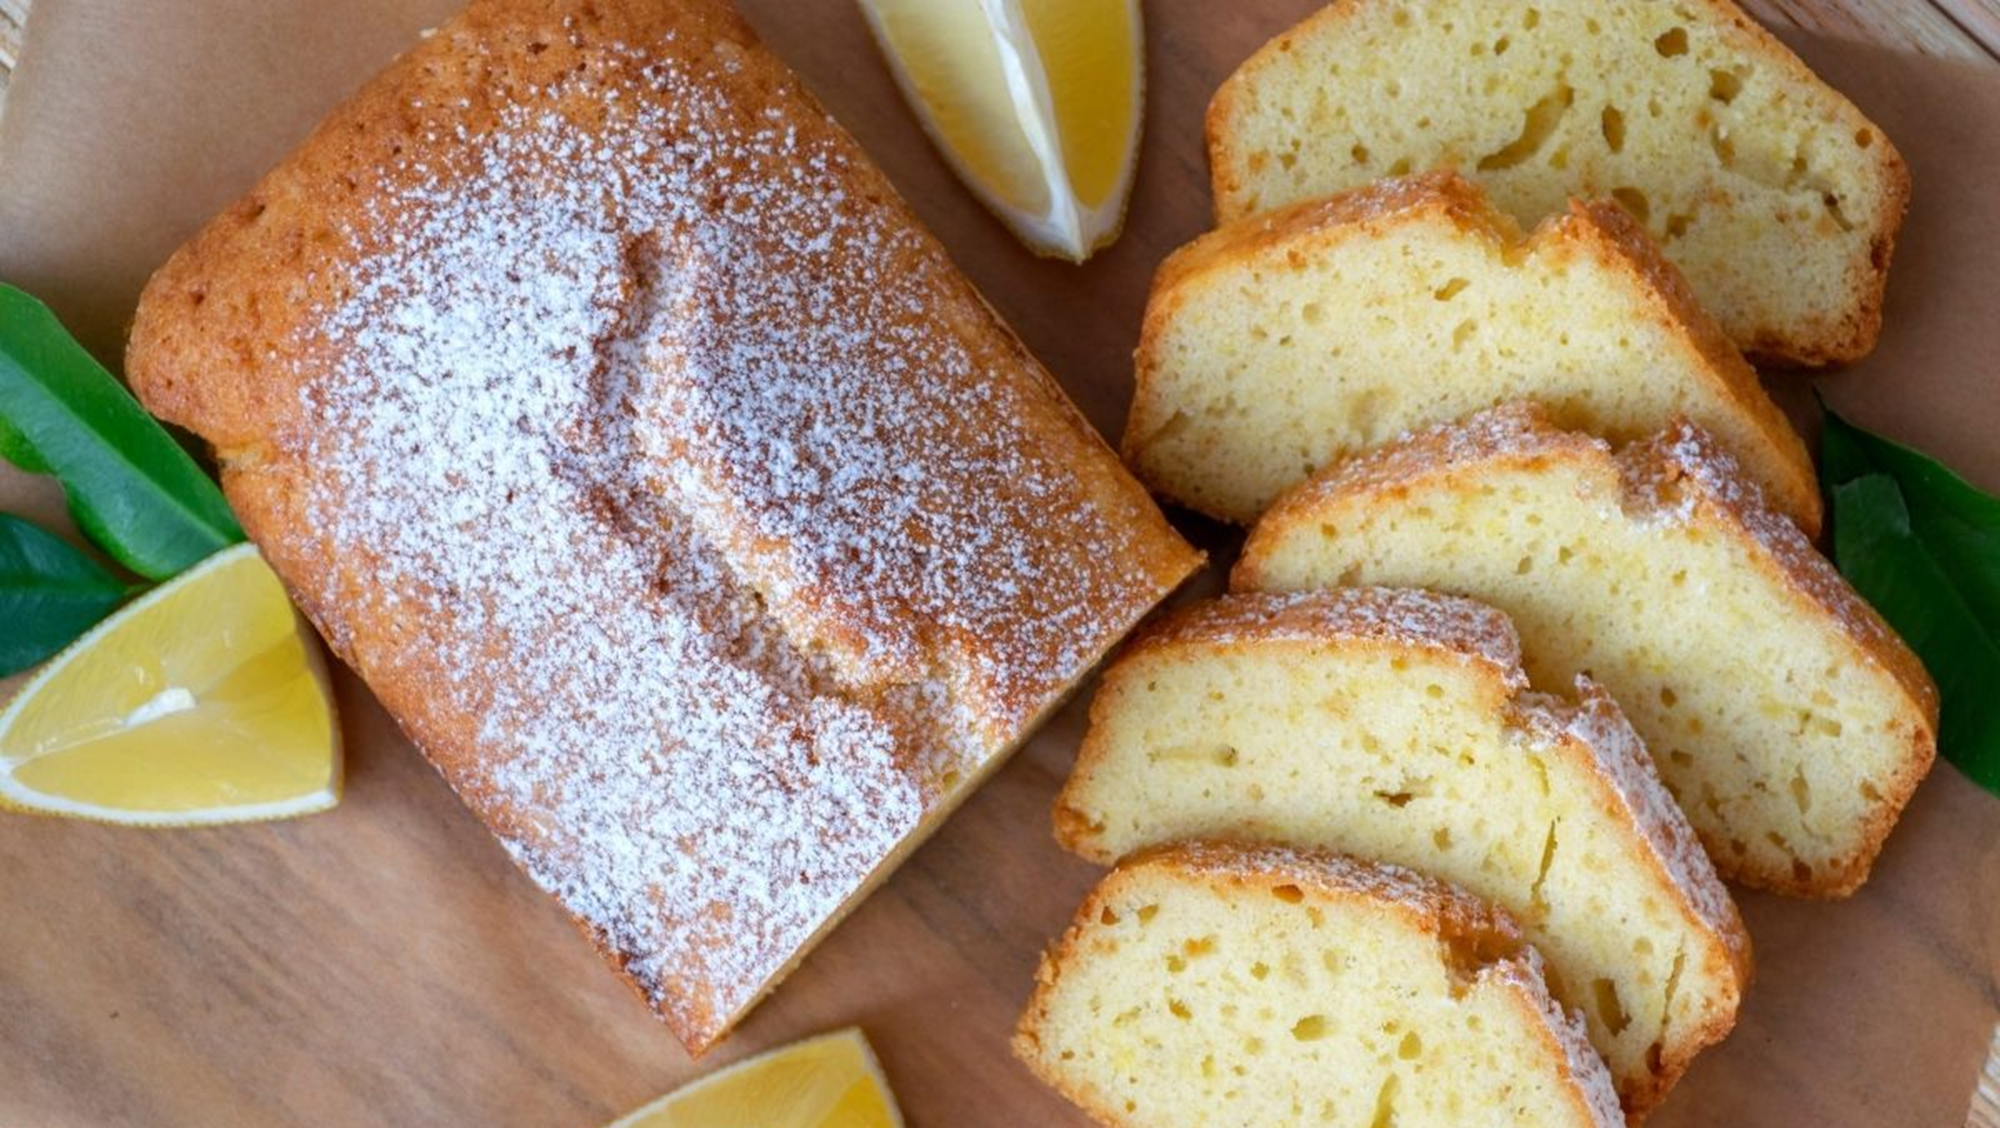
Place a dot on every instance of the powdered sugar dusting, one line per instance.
(1487, 933)
(715, 493)
(1513, 431)
(1596, 722)
(1448, 625)
(1440, 905)
(1683, 468)
(1590, 1078)
(1477, 943)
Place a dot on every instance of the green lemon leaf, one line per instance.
(15, 449)
(1923, 545)
(49, 594)
(131, 488)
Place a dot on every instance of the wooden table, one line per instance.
(13, 14)
(1964, 29)
(1949, 28)
(1968, 29)
(444, 880)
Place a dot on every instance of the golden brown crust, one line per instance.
(1522, 434)
(1481, 942)
(1591, 730)
(1686, 455)
(1477, 930)
(1686, 459)
(1440, 190)
(1852, 337)
(1595, 730)
(1225, 185)
(1680, 467)
(508, 544)
(1599, 229)
(1516, 434)
(1293, 230)
(1403, 617)
(1595, 734)
(1433, 907)
(1400, 618)
(1590, 733)
(1619, 237)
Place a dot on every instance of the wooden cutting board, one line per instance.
(384, 964)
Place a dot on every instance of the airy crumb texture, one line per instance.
(1396, 724)
(1776, 197)
(1784, 714)
(1287, 340)
(616, 421)
(1216, 983)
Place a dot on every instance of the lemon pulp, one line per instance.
(831, 1081)
(952, 66)
(1089, 53)
(1036, 104)
(204, 701)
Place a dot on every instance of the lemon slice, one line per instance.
(204, 701)
(1036, 104)
(831, 1081)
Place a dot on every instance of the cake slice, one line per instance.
(615, 419)
(1397, 725)
(1784, 714)
(1284, 341)
(1207, 984)
(1776, 197)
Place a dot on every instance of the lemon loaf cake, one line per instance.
(1396, 725)
(613, 417)
(1213, 983)
(1784, 714)
(1285, 340)
(1776, 197)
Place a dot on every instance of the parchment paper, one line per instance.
(131, 121)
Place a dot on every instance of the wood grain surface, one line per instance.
(13, 20)
(385, 964)
(1968, 29)
(1948, 28)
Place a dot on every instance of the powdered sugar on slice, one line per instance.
(1683, 468)
(1595, 721)
(1589, 1079)
(1447, 625)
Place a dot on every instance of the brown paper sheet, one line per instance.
(383, 964)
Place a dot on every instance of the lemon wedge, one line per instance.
(204, 701)
(831, 1081)
(1036, 104)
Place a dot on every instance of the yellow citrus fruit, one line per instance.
(204, 701)
(1036, 104)
(831, 1081)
